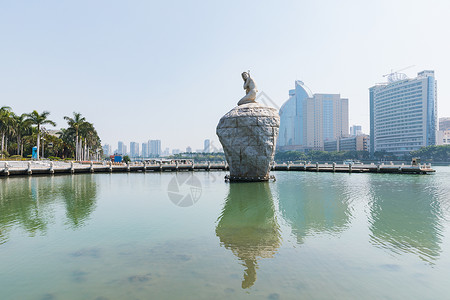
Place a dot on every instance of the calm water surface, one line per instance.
(184, 236)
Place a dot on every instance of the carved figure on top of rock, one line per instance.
(250, 89)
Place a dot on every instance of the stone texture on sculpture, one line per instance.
(248, 134)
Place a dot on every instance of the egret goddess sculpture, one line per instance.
(248, 134)
(250, 89)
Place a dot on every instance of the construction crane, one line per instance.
(396, 76)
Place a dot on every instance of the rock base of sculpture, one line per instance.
(248, 135)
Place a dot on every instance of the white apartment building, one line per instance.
(403, 113)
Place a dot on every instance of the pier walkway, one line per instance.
(10, 168)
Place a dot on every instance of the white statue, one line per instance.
(250, 89)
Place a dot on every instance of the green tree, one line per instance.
(68, 139)
(90, 141)
(75, 123)
(290, 156)
(5, 124)
(433, 153)
(39, 119)
(22, 127)
(320, 156)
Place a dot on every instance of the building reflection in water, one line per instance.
(30, 203)
(405, 216)
(311, 208)
(248, 226)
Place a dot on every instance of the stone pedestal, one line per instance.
(248, 135)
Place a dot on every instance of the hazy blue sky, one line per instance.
(169, 70)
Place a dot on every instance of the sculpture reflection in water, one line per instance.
(405, 216)
(312, 208)
(248, 226)
(30, 203)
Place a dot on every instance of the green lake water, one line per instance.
(194, 236)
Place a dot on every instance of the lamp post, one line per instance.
(44, 132)
(43, 141)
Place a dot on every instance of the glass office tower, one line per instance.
(307, 120)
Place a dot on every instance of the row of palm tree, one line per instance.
(87, 142)
(79, 140)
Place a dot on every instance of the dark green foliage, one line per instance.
(20, 133)
(336, 156)
(430, 153)
(433, 153)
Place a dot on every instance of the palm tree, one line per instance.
(76, 122)
(22, 126)
(67, 137)
(38, 120)
(90, 138)
(5, 122)
(85, 133)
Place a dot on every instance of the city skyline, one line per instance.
(153, 148)
(108, 68)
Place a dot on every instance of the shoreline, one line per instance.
(11, 168)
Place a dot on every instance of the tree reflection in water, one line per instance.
(248, 226)
(29, 203)
(79, 194)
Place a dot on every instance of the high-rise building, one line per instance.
(120, 148)
(353, 143)
(107, 150)
(188, 149)
(144, 150)
(444, 124)
(176, 151)
(207, 146)
(125, 151)
(154, 147)
(307, 120)
(443, 137)
(403, 113)
(355, 130)
(134, 149)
